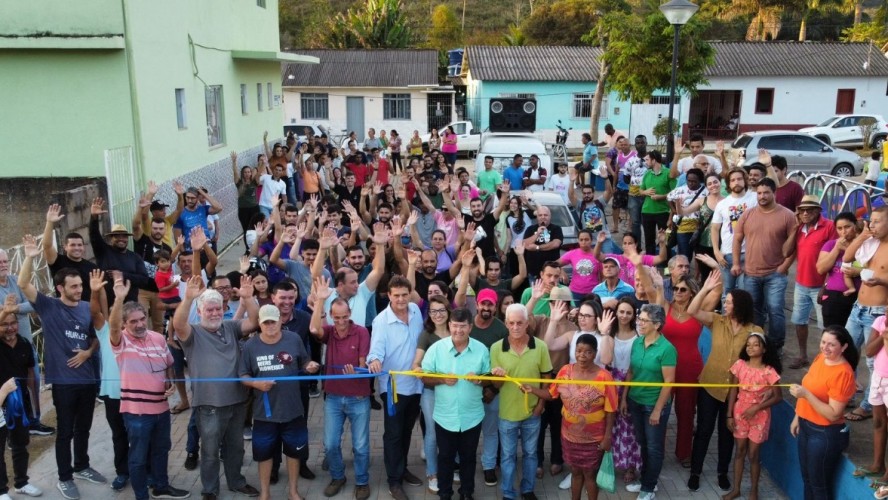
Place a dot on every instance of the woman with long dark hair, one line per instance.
(512, 224)
(246, 182)
(627, 455)
(836, 299)
(434, 140)
(434, 329)
(395, 148)
(819, 423)
(448, 145)
(729, 333)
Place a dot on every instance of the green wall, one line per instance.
(61, 17)
(61, 110)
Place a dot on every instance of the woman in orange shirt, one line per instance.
(819, 423)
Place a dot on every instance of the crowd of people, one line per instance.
(362, 265)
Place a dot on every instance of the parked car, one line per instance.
(802, 152)
(562, 214)
(846, 131)
(468, 138)
(504, 146)
(299, 130)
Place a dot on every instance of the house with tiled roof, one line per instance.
(354, 90)
(751, 86)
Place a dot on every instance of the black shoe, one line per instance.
(694, 482)
(490, 477)
(466, 497)
(375, 404)
(191, 461)
(334, 487)
(275, 476)
(397, 492)
(247, 490)
(410, 479)
(529, 496)
(724, 483)
(38, 429)
(305, 472)
(314, 392)
(169, 492)
(208, 496)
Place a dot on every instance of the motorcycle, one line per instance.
(559, 151)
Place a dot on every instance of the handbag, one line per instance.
(698, 233)
(606, 478)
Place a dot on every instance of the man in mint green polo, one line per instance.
(537, 297)
(519, 355)
(459, 409)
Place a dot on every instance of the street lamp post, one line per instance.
(678, 13)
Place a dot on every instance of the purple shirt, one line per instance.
(345, 351)
(835, 280)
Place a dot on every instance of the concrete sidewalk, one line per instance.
(43, 468)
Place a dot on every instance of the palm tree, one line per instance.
(515, 37)
(808, 7)
(766, 17)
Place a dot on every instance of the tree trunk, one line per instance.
(596, 101)
(858, 12)
(803, 29)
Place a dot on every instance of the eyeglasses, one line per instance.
(809, 209)
(437, 311)
(680, 289)
(643, 320)
(585, 316)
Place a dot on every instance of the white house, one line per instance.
(353, 90)
(776, 85)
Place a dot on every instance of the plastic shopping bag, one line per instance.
(606, 478)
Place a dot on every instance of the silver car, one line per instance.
(802, 152)
(562, 215)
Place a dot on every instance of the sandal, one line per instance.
(855, 416)
(878, 483)
(179, 409)
(686, 463)
(881, 493)
(861, 472)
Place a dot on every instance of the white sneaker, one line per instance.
(5, 497)
(422, 453)
(30, 490)
(635, 487)
(433, 485)
(565, 483)
(456, 478)
(647, 495)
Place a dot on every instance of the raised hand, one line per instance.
(559, 310)
(713, 281)
(180, 241)
(314, 200)
(265, 135)
(29, 245)
(121, 287)
(194, 287)
(288, 237)
(302, 231)
(397, 228)
(329, 239)
(198, 238)
(707, 260)
(679, 144)
(519, 248)
(366, 190)
(661, 237)
(377, 188)
(10, 305)
(538, 290)
(506, 186)
(466, 258)
(764, 157)
(380, 234)
(245, 291)
(605, 321)
(97, 207)
(152, 188)
(470, 231)
(412, 257)
(443, 186)
(720, 148)
(601, 237)
(322, 290)
(54, 213)
(454, 186)
(244, 264)
(145, 200)
(97, 280)
(234, 157)
(413, 218)
(178, 187)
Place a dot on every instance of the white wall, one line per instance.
(801, 101)
(372, 109)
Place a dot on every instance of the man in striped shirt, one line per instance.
(146, 366)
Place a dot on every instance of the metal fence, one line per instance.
(42, 279)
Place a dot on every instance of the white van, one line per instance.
(504, 146)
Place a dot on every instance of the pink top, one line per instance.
(450, 228)
(395, 144)
(882, 357)
(448, 142)
(627, 268)
(585, 270)
(143, 364)
(755, 380)
(835, 280)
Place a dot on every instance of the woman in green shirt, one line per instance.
(655, 185)
(653, 359)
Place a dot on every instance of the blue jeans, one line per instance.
(635, 203)
(769, 293)
(266, 211)
(192, 445)
(357, 410)
(684, 244)
(859, 324)
(729, 281)
(820, 449)
(430, 441)
(148, 435)
(652, 441)
(528, 432)
(490, 431)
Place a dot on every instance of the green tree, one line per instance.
(376, 24)
(810, 8)
(515, 37)
(445, 32)
(563, 22)
(640, 59)
(874, 31)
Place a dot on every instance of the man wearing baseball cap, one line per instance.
(488, 329)
(812, 232)
(612, 287)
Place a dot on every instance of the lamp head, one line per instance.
(679, 12)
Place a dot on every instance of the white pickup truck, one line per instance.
(468, 138)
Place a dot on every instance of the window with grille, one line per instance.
(215, 118)
(315, 106)
(395, 106)
(582, 106)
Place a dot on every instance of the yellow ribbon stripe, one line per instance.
(522, 380)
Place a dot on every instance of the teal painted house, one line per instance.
(562, 79)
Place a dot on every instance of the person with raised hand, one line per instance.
(69, 343)
(211, 346)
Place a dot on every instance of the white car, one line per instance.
(468, 138)
(846, 131)
(504, 146)
(299, 130)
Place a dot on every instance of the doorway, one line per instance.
(354, 116)
(844, 101)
